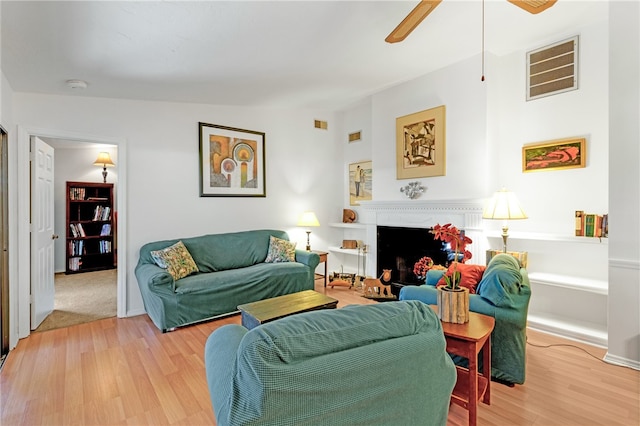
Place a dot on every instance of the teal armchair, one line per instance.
(382, 364)
(503, 293)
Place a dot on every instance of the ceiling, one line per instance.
(293, 54)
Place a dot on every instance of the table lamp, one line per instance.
(104, 160)
(307, 219)
(503, 206)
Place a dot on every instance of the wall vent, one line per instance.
(552, 69)
(319, 124)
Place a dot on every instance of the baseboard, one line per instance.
(585, 333)
(135, 313)
(625, 362)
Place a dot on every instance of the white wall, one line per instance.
(76, 164)
(624, 184)
(162, 167)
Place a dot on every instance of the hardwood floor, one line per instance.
(124, 371)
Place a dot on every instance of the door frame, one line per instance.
(24, 217)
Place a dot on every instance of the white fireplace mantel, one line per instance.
(464, 214)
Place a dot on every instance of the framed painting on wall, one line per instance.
(232, 162)
(360, 179)
(421, 144)
(558, 154)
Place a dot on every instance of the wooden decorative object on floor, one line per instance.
(374, 289)
(453, 305)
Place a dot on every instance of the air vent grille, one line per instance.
(319, 124)
(552, 69)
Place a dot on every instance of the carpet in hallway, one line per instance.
(82, 298)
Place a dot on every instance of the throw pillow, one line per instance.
(470, 276)
(176, 259)
(280, 251)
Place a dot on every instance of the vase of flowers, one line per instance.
(421, 267)
(453, 300)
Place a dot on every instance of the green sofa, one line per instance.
(382, 364)
(231, 271)
(503, 293)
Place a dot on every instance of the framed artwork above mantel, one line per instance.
(421, 144)
(232, 162)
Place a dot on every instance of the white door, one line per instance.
(42, 235)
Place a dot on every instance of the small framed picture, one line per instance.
(232, 162)
(558, 154)
(360, 179)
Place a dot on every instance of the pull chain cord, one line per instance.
(482, 79)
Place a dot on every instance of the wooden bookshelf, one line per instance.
(90, 243)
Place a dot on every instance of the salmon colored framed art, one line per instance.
(558, 154)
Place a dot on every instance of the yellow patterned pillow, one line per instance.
(280, 251)
(176, 259)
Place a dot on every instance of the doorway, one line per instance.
(79, 294)
(23, 220)
(4, 243)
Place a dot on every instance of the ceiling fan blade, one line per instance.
(533, 6)
(412, 20)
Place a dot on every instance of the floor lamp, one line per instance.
(503, 206)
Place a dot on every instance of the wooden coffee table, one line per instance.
(467, 340)
(263, 311)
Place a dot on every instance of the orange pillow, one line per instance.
(470, 276)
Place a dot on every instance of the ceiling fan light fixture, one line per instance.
(533, 6)
(412, 20)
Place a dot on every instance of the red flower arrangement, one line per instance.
(422, 266)
(458, 242)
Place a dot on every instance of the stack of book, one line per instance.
(592, 225)
(102, 213)
(77, 230)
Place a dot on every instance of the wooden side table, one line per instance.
(323, 259)
(467, 340)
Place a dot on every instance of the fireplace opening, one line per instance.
(399, 248)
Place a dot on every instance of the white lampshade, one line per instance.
(308, 218)
(503, 206)
(104, 160)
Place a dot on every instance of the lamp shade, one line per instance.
(503, 206)
(104, 160)
(308, 218)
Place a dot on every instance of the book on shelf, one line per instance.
(106, 230)
(579, 223)
(75, 263)
(76, 193)
(102, 213)
(591, 225)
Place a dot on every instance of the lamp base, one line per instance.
(104, 174)
(308, 243)
(505, 235)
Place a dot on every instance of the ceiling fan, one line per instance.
(425, 7)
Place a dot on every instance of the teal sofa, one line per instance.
(382, 364)
(231, 271)
(503, 293)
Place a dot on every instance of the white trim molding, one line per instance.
(464, 214)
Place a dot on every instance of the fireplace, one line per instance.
(399, 248)
(418, 216)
